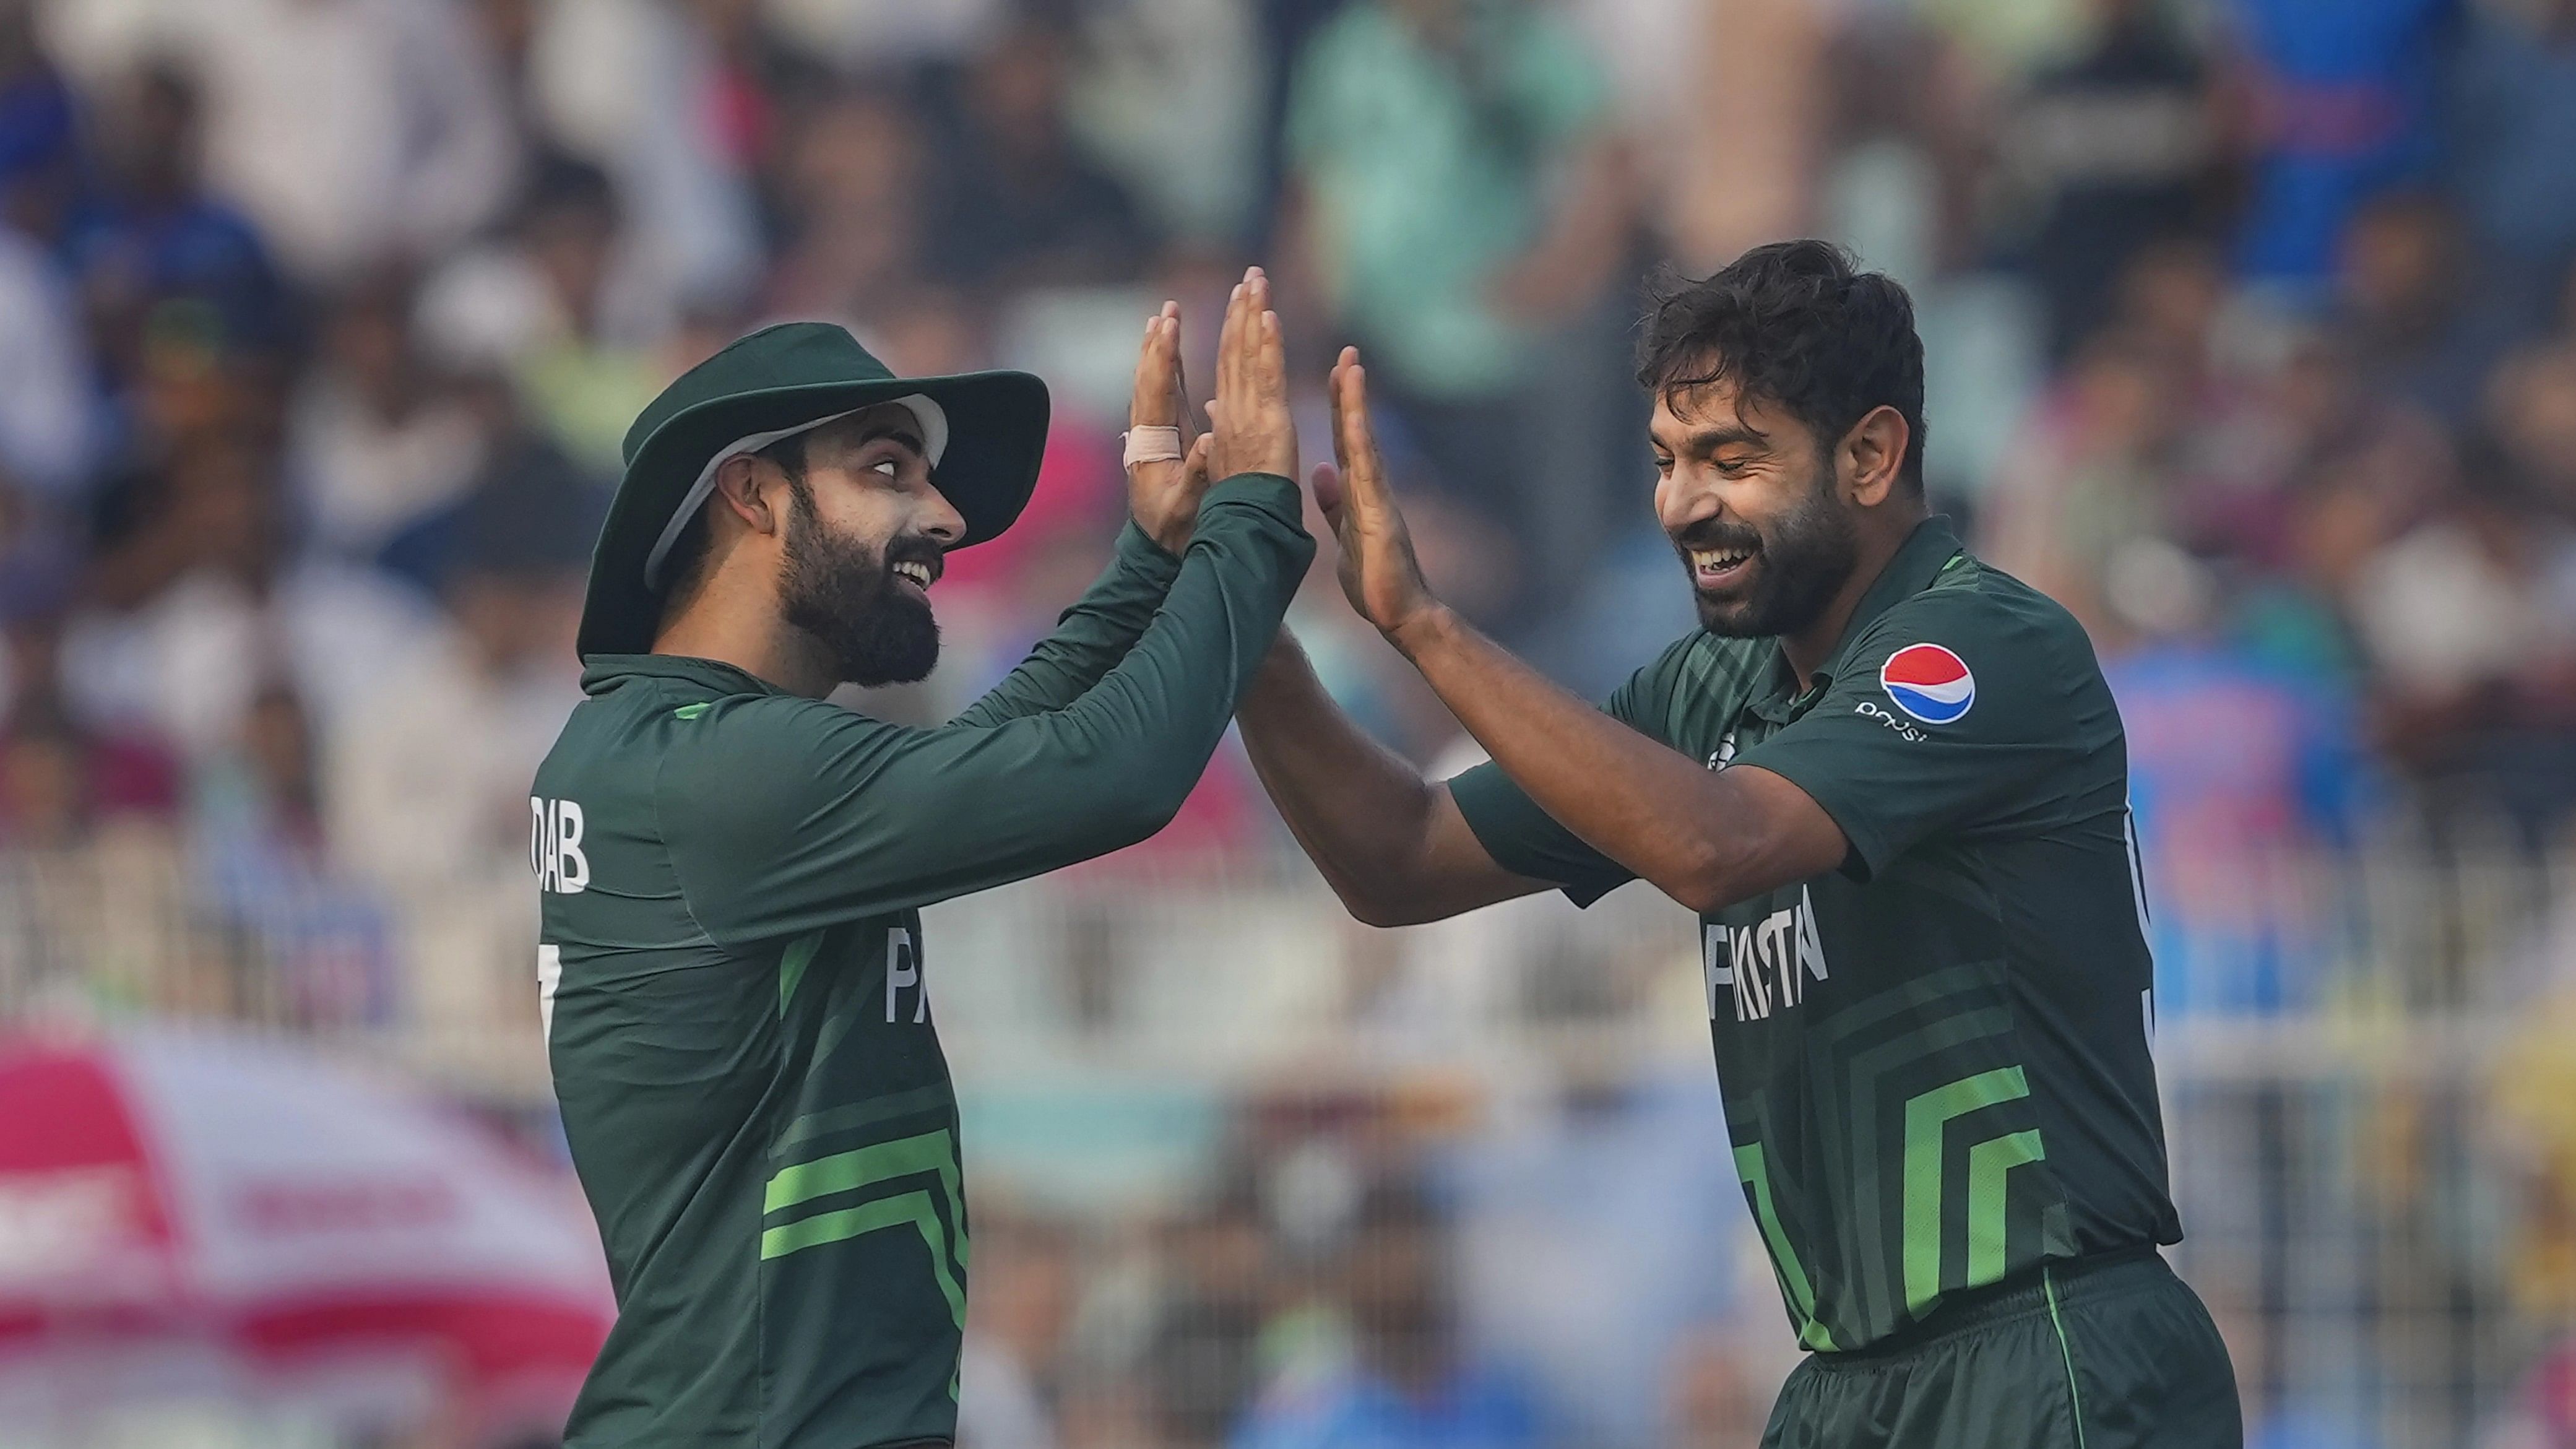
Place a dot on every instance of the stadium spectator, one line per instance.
(1457, 191)
(2123, 145)
(1016, 202)
(148, 238)
(2510, 129)
(2343, 103)
(378, 439)
(2420, 331)
(1410, 1381)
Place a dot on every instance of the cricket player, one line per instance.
(732, 869)
(1891, 782)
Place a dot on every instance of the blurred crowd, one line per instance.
(2251, 336)
(2251, 333)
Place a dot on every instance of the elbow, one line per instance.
(1708, 877)
(1141, 813)
(1370, 911)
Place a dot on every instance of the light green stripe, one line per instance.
(1987, 1163)
(1756, 1172)
(861, 1166)
(792, 963)
(903, 1208)
(2074, 1394)
(1925, 1115)
(862, 1114)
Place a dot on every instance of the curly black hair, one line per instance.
(1796, 324)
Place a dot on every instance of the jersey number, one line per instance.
(549, 976)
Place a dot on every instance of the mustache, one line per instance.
(918, 548)
(1720, 535)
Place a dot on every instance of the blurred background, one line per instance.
(2251, 331)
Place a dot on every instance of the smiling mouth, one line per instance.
(916, 573)
(1716, 568)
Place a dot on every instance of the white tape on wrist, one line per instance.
(1152, 445)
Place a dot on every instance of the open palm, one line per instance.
(1378, 570)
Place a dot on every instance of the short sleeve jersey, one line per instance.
(1934, 1060)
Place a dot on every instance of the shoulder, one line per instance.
(1980, 639)
(1978, 611)
(743, 752)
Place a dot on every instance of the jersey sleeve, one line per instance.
(783, 815)
(1090, 638)
(1953, 711)
(1526, 840)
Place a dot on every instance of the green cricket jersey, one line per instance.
(738, 1015)
(1934, 1060)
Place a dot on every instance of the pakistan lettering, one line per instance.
(554, 846)
(903, 968)
(1764, 965)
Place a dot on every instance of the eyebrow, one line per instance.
(896, 431)
(1709, 440)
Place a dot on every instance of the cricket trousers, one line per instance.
(2108, 1352)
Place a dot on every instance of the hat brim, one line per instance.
(996, 436)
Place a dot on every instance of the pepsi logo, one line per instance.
(1929, 682)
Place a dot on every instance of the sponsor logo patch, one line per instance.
(1929, 682)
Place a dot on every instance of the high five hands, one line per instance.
(1251, 431)
(1379, 573)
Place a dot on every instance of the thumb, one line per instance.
(1331, 497)
(1327, 485)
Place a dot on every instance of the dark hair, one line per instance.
(1797, 324)
(688, 555)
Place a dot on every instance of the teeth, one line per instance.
(1717, 559)
(919, 573)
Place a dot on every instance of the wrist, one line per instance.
(1420, 629)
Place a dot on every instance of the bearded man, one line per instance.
(1891, 782)
(732, 869)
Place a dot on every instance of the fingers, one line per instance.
(1184, 419)
(1354, 441)
(1259, 326)
(1154, 402)
(1229, 342)
(1194, 469)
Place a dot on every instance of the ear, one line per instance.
(748, 489)
(1873, 455)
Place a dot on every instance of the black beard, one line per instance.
(845, 596)
(1803, 562)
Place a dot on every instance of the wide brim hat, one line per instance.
(985, 432)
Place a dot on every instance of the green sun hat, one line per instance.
(984, 432)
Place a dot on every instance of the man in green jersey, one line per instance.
(1892, 783)
(732, 869)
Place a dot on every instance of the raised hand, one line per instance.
(1379, 573)
(1163, 494)
(1249, 420)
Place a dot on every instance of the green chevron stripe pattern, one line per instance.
(1926, 1114)
(792, 963)
(932, 1154)
(1987, 1164)
(1793, 1275)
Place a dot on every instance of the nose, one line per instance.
(1681, 503)
(940, 518)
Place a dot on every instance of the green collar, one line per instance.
(1916, 563)
(603, 672)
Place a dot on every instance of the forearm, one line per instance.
(1359, 811)
(1089, 639)
(1650, 808)
(1144, 732)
